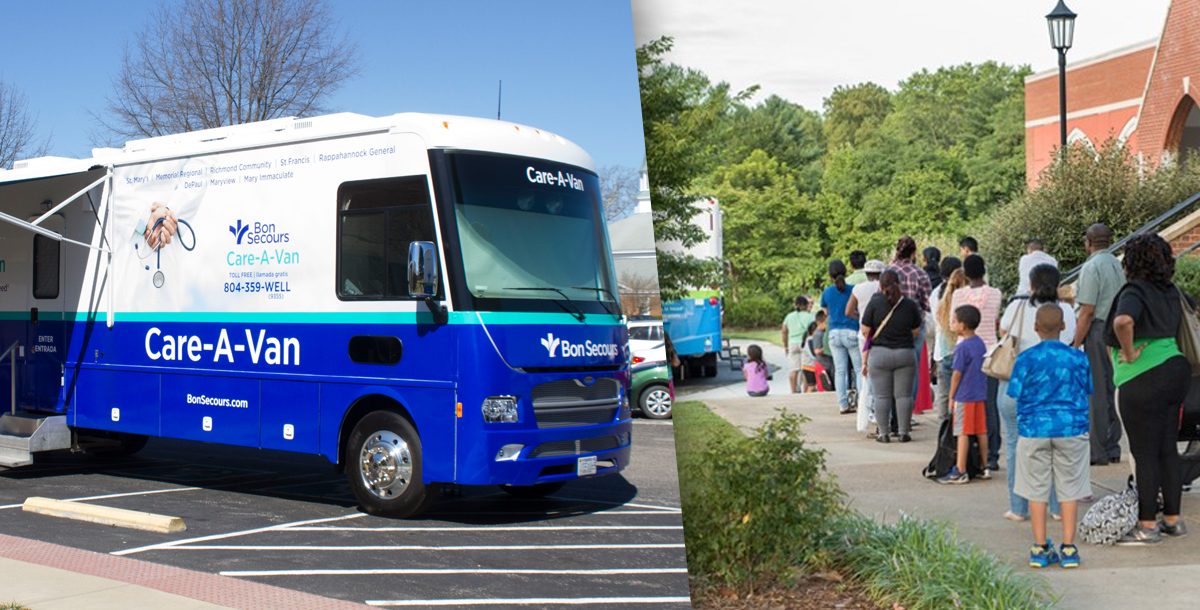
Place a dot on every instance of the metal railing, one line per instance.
(11, 354)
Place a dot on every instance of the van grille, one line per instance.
(587, 445)
(568, 402)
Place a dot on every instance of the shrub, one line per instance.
(922, 565)
(1187, 275)
(755, 509)
(756, 311)
(1086, 187)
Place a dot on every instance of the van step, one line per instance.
(23, 434)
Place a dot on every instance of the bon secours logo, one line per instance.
(257, 233)
(555, 345)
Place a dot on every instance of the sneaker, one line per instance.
(1140, 536)
(1011, 516)
(882, 438)
(1043, 556)
(904, 438)
(1178, 530)
(954, 477)
(845, 410)
(986, 475)
(1068, 556)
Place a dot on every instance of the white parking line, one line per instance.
(472, 547)
(121, 495)
(500, 528)
(665, 509)
(538, 601)
(176, 543)
(556, 513)
(415, 571)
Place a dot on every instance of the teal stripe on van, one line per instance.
(337, 317)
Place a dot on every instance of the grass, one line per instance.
(912, 563)
(12, 606)
(768, 335)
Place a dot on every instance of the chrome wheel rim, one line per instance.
(658, 402)
(385, 464)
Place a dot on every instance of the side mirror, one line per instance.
(422, 269)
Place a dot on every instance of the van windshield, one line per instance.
(530, 229)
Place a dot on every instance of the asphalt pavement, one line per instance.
(291, 522)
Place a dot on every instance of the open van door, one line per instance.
(41, 379)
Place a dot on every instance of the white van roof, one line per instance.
(448, 132)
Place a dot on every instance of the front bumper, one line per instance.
(552, 455)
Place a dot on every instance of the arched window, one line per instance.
(1078, 137)
(1127, 131)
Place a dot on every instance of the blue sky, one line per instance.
(566, 67)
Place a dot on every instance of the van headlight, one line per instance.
(500, 409)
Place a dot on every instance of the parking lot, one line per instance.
(290, 521)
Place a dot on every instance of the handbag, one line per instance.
(999, 363)
(1188, 335)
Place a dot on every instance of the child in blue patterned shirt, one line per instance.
(1051, 383)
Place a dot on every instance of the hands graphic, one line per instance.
(161, 226)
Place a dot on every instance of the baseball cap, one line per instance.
(874, 266)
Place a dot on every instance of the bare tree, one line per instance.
(16, 128)
(210, 63)
(619, 188)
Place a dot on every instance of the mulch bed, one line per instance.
(818, 592)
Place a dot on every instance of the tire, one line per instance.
(540, 490)
(384, 466)
(710, 365)
(655, 402)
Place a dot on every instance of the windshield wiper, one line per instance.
(574, 311)
(615, 314)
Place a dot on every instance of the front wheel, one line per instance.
(383, 464)
(655, 402)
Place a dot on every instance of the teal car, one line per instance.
(652, 390)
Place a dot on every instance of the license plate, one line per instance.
(585, 466)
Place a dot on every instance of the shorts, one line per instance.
(970, 418)
(794, 352)
(1062, 462)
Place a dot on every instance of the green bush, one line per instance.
(922, 565)
(1187, 275)
(1086, 187)
(755, 509)
(756, 311)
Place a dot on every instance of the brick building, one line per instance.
(1145, 95)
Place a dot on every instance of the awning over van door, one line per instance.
(38, 198)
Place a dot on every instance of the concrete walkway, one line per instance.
(885, 481)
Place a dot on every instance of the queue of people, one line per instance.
(1048, 383)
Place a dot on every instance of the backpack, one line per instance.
(946, 454)
(1110, 517)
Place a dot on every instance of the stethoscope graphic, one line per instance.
(159, 278)
(177, 197)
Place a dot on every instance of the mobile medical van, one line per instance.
(420, 299)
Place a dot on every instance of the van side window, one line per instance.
(45, 267)
(377, 219)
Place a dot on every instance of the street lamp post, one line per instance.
(1061, 22)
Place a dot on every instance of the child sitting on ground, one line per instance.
(968, 391)
(1051, 383)
(755, 372)
(808, 361)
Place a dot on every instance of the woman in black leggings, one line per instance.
(1152, 376)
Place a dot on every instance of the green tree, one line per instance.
(784, 130)
(772, 235)
(853, 113)
(681, 112)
